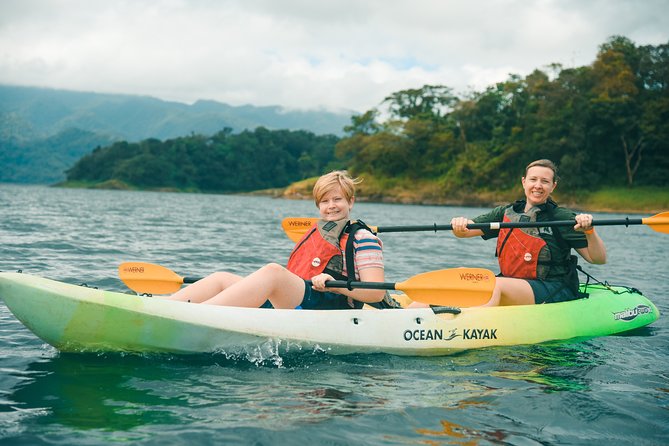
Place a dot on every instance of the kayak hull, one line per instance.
(80, 319)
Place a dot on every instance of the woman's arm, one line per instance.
(595, 252)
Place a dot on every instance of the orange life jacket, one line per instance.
(521, 252)
(321, 250)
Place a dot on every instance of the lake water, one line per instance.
(606, 391)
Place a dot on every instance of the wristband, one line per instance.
(589, 231)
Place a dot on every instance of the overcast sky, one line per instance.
(334, 54)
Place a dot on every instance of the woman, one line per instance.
(536, 263)
(318, 257)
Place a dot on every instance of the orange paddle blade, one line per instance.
(456, 287)
(659, 222)
(149, 278)
(296, 227)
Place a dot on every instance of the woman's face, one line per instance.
(334, 205)
(538, 184)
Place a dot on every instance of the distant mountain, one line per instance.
(44, 131)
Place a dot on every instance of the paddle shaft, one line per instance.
(499, 225)
(357, 284)
(334, 284)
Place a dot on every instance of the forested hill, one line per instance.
(44, 131)
(224, 162)
(605, 124)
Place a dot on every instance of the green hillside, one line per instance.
(34, 121)
(224, 162)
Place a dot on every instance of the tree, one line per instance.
(616, 104)
(427, 102)
(364, 124)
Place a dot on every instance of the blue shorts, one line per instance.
(324, 300)
(321, 300)
(546, 292)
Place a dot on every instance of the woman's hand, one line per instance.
(459, 225)
(583, 223)
(318, 282)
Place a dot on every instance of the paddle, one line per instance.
(296, 227)
(143, 277)
(460, 287)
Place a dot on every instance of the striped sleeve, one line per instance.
(368, 251)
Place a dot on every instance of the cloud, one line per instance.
(343, 54)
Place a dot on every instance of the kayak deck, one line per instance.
(76, 319)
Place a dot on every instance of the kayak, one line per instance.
(75, 318)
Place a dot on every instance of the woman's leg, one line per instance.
(206, 288)
(507, 291)
(274, 282)
(510, 291)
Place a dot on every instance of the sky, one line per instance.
(339, 55)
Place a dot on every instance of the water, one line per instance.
(612, 390)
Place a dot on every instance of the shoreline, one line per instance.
(584, 205)
(640, 200)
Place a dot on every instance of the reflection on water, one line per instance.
(86, 392)
(460, 435)
(122, 392)
(560, 367)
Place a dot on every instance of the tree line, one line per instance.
(224, 162)
(605, 124)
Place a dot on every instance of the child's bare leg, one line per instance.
(206, 288)
(274, 282)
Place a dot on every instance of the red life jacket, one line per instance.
(521, 252)
(321, 250)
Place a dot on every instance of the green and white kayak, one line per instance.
(80, 319)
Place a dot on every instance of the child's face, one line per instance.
(334, 205)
